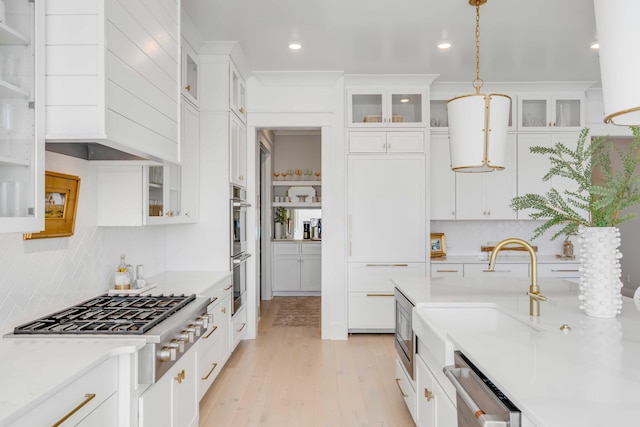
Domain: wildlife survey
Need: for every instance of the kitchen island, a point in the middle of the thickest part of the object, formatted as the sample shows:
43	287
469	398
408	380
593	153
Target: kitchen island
588	376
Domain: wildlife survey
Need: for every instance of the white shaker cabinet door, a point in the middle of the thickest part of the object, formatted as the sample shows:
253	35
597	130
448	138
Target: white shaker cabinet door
443	179
386	208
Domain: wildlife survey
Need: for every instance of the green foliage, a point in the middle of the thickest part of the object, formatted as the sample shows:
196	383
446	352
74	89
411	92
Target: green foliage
602	200
281	215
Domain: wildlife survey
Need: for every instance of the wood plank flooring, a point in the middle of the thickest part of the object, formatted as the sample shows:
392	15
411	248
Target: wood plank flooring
289	377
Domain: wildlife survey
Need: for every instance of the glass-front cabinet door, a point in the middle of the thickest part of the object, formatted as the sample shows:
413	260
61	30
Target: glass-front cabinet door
386	108
163	193
190	76
557	112
21	136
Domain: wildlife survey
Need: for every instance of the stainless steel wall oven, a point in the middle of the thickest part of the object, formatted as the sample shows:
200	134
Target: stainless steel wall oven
405	340
238	239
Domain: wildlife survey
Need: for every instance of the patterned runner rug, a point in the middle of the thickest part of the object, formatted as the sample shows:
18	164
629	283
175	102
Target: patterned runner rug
298	311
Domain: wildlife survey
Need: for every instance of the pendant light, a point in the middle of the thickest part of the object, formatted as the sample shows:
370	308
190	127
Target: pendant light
478	123
617	22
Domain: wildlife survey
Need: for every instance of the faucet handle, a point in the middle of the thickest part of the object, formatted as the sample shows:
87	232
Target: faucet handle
537	296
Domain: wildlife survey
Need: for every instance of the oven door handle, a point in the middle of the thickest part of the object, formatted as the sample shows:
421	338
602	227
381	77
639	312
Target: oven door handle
241	259
484	420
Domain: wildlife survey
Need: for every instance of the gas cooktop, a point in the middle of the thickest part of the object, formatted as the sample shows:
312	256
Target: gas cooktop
109	314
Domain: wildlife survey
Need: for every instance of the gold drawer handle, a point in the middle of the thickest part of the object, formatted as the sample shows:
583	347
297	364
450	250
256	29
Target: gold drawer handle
496	271
180	377
87	398
565	271
209	334
448	271
387	265
380	295
228	287
212	301
401	392
206	377
428	394
241	327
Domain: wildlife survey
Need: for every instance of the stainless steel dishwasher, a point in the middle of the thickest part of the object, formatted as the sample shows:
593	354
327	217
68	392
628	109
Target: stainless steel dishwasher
479	401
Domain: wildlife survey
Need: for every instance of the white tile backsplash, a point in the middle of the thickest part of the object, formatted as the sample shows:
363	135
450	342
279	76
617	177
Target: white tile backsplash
466	237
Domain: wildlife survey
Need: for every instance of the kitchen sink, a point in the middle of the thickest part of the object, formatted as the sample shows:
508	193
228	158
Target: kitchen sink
436	323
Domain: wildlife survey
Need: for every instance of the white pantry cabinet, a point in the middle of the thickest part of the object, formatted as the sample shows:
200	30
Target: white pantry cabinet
551	112
91	400
442	179
172	401
296	268
22	117
238	151
393	107
386	142
113	75
488	195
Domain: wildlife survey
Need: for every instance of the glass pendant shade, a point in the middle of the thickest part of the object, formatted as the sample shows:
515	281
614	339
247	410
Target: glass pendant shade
618	25
478	132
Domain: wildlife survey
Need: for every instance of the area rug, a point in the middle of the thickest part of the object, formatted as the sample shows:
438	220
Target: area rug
298	311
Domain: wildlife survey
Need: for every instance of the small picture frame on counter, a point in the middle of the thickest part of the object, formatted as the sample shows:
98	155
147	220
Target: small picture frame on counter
437	245
60	204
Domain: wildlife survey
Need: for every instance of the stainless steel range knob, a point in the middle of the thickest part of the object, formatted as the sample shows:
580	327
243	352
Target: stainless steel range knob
167	354
187	335
197	330
203	321
178	345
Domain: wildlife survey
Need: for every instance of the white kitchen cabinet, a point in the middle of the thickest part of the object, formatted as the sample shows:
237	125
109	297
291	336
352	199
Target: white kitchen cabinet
238	151
238	93
22	117
386	142
500	270
190	73
90	400
167	194
397	107
112	76
433	407
562	270
545	112
296	268
439	121
488	195
442	180
386	202
238	326
371	303
532	167
406	389
214	346
172	401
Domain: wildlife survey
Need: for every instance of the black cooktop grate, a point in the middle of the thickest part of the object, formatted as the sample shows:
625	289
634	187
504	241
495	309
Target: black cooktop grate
109	314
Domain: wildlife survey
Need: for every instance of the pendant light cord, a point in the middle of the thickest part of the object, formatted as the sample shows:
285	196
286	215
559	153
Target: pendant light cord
477	83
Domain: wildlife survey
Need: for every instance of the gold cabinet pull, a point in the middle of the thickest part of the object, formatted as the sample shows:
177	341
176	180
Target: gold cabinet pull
448	271
241	110
87	398
180	377
188	88
428	394
565	271
206	377
212	301
228	287
224	310
209	334
242	327
380	295
401	392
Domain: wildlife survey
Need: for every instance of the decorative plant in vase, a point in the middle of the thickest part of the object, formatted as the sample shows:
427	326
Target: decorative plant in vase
592	209
280	218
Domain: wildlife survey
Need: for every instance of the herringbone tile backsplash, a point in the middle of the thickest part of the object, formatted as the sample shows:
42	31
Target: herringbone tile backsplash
38	277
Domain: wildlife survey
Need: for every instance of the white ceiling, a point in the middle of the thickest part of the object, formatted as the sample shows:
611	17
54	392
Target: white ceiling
540	40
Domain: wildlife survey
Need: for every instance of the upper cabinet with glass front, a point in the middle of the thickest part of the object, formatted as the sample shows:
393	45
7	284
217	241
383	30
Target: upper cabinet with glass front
21	117
238	93
402	107
190	76
542	112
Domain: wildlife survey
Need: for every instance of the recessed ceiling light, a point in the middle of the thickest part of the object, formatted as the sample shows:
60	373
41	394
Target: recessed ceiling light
595	45
295	46
444	45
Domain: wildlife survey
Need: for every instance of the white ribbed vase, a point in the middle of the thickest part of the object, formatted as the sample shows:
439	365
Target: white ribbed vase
600	270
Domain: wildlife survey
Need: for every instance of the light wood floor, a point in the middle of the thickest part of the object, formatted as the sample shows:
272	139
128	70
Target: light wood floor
289	377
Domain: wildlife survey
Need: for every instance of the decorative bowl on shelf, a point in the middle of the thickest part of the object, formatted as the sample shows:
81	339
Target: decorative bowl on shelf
307	193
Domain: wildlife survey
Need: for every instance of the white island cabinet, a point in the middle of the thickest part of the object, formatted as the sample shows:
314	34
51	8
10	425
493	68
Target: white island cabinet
113	75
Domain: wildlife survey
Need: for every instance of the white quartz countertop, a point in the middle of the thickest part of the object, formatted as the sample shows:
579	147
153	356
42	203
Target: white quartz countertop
34	369
588	377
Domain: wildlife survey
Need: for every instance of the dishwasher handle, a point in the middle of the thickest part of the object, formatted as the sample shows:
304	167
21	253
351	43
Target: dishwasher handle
484	420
